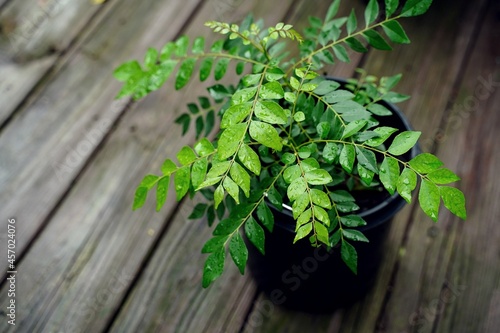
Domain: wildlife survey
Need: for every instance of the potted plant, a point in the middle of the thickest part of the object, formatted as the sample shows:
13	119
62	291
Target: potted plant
302	166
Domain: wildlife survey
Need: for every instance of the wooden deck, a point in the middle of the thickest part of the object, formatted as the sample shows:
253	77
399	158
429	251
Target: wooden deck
71	156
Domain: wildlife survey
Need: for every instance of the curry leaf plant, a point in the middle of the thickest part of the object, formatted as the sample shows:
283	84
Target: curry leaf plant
284	134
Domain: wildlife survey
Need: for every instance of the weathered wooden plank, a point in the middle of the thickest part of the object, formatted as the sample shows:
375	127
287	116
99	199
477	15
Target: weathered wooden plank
33	33
89	256
34	29
470	284
74	112
63	127
429	62
428	248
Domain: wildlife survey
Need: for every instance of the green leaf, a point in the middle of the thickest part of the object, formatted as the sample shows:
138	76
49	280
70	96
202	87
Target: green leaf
395	32
341	53
403	142
303	231
391	81
376	40
167	51
240	67
320	198
274	74
323	129
255	234
230	140
182	181
227	226
390	7
198	45
310	163
239	252
198	172
326	87
232	188
243	95
338	96
186	155
379	110
149	181
126	70
184	120
168	167
221	68
349	256
365	174
389	174
425	163
270	112
318	177
251	79
199	126
214	266
275	198
198	211
415	7
241	177
218	169
332	10
218	195
300	205
249	158
265	134
454	200
161	192
371	12
139	197
288	158
392	97
353	128
367	159
356	45
204	147
235	114
181	46
330	152
184	73
150	58
341	196
265	216
271	90
384	133
206	68
354	235
352	221
407	182
321	215
429	199
352	22
296	188
214	244
346	159
443	176
291	173
209	122
299	116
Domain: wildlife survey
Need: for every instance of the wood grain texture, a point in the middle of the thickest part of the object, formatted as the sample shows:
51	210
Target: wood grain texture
33	35
75	111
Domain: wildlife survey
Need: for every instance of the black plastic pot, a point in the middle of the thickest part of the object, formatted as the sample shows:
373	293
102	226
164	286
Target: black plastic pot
303	278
